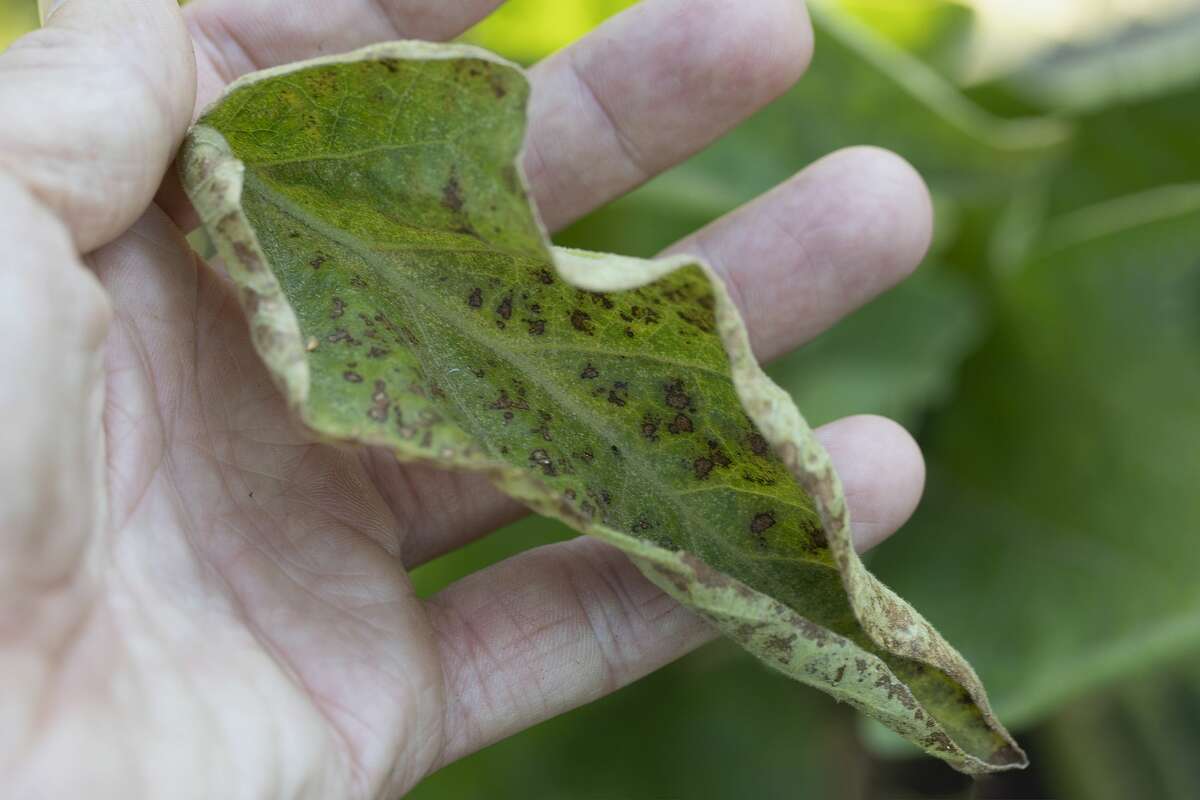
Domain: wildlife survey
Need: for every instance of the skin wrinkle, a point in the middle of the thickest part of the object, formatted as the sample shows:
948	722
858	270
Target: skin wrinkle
628	149
347	752
603	619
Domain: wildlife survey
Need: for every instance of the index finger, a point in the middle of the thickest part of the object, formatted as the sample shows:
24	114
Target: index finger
94	105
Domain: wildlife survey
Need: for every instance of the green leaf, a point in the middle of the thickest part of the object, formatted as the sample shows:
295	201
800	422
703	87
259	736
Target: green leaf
936	31
1062	478
861	89
529	30
402	291
1135	63
1138	740
1161	130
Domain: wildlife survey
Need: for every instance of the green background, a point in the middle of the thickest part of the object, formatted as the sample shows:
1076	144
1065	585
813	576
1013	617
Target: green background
1047	357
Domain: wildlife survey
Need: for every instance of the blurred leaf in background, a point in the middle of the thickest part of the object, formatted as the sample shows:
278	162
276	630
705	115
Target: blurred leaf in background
1140	740
1056	543
16	18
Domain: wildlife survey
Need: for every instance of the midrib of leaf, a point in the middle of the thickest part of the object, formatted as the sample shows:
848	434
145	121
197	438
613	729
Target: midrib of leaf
366	151
519	362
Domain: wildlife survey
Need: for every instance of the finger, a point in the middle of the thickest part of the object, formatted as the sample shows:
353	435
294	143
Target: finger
641	93
94	105
796	260
560	626
802	256
651	87
882	472
234	37
54	318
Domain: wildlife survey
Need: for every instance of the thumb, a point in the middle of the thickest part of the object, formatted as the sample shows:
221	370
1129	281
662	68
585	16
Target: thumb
94	106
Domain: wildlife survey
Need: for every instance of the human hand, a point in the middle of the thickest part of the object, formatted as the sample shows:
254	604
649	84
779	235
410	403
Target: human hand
196	600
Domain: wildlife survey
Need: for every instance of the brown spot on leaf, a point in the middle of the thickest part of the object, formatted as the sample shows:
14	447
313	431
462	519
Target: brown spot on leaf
505	308
762	522
541	458
475	298
339	308
702	323
318	260
545	277
675	396
780	647
352	377
452	195
681	424
381	402
581	321
759	445
589	372
247	257
702	467
504	401
650	429
717	454
537	327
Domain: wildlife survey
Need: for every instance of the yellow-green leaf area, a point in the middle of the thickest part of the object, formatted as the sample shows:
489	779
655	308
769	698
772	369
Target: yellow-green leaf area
403	292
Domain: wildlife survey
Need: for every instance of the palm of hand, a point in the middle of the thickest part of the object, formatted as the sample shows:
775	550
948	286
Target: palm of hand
250	580
204	601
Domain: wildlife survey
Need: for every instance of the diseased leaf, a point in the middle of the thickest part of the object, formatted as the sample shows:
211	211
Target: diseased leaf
402	291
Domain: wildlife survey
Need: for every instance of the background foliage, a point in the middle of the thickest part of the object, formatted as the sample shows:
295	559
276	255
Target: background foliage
1047	356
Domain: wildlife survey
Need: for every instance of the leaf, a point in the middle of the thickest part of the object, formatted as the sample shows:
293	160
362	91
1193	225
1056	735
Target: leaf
529	30
1139	740
1063	476
861	89
16	20
403	293
1158	129
936	31
1134	63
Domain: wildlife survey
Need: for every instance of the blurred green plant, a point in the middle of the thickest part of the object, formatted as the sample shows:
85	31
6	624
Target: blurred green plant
15	19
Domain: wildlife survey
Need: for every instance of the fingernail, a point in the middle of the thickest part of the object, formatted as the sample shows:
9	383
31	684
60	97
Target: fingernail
46	8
